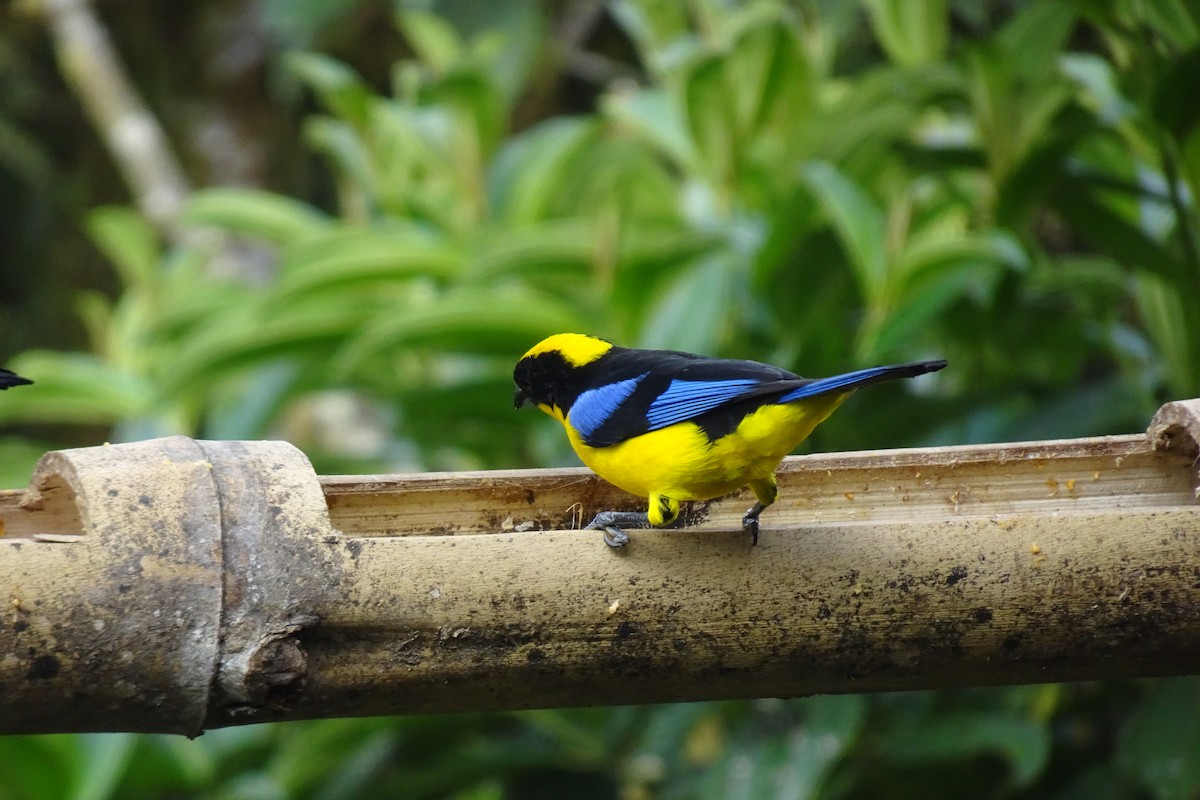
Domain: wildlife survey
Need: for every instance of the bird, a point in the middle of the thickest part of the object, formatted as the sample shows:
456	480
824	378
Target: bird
9	378
672	427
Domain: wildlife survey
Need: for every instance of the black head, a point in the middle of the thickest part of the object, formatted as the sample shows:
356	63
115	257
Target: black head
557	369
547	380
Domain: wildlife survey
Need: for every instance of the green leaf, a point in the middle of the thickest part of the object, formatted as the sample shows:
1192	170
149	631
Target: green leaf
665	734
39	767
72	388
831	726
1160	741
1177	21
478	98
693	312
1098	78
551	251
655	116
954	735
1175	94
796	765
709	109
339	88
647	246
1082	205
1035	37
106	758
351	259
860	127
653	26
253	212
248	336
340	142
944	250
434	40
1165	316
775	82
507	40
859	223
1027	124
95	311
1099	408
129	241
305	762
248	408
915	313
526	176
498	321
912	32
931	273
1099	782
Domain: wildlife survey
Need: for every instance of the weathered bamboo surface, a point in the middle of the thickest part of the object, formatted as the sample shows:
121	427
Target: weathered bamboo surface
924	484
262	592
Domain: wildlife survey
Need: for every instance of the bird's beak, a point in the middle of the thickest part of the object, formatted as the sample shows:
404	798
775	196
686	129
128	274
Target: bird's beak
520	398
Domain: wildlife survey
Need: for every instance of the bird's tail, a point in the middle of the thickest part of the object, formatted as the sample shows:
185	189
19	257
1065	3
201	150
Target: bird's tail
9	378
861	377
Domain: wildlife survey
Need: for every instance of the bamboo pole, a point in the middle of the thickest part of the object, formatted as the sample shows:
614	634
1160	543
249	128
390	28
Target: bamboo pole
936	567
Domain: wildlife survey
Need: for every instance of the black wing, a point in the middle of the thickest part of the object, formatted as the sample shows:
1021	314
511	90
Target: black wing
637	391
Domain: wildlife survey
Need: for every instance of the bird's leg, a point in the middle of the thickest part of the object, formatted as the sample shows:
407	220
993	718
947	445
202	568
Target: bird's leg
765	491
611	523
663	511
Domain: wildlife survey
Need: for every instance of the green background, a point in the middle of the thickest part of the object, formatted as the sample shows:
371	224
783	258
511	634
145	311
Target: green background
393	202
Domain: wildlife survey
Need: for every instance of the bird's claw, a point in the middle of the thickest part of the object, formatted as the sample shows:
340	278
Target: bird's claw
750	522
615	537
611	521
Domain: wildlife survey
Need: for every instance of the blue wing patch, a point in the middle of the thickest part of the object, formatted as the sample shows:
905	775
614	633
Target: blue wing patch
846	381
593	407
684	400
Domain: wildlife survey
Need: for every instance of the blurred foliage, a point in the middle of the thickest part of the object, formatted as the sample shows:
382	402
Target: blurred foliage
1009	185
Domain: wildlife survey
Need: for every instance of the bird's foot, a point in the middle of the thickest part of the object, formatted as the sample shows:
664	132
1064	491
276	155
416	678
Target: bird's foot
611	523
750	522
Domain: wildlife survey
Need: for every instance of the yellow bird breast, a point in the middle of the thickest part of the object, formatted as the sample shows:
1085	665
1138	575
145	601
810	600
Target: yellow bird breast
680	462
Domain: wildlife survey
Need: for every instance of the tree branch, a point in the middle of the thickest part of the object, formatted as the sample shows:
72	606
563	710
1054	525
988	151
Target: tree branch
92	68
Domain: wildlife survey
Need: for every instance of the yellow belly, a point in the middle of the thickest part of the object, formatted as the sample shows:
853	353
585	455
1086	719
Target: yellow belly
680	463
